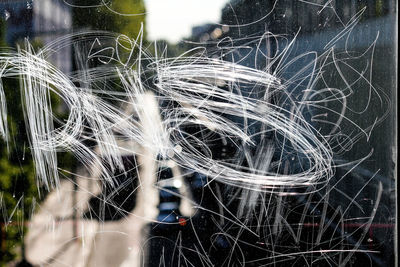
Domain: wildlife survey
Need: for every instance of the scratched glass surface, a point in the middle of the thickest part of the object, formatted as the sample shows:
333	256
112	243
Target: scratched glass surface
198	133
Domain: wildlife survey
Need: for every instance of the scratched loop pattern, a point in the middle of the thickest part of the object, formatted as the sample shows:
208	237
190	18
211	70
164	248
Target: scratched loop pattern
284	136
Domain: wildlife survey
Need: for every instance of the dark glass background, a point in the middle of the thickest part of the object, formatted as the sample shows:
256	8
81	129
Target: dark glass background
368	46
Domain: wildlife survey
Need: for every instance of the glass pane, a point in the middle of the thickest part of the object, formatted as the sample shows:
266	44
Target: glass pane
198	133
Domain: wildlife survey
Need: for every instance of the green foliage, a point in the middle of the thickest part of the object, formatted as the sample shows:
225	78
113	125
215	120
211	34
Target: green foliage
125	17
379	8
18	185
121	16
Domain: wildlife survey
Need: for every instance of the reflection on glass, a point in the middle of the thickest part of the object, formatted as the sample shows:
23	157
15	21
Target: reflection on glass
220	133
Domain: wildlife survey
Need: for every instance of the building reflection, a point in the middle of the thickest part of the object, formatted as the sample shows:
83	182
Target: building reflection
44	21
